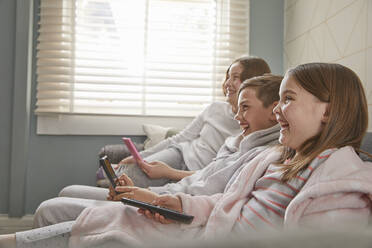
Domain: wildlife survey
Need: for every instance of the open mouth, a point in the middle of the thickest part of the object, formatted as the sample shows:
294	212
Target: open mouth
244	127
230	92
283	124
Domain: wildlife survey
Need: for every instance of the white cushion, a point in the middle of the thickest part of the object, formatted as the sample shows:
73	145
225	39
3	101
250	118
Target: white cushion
155	134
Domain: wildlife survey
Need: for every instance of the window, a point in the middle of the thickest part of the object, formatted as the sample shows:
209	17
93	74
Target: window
142	58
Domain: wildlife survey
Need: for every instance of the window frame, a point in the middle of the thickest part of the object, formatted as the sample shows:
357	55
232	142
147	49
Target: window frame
92	124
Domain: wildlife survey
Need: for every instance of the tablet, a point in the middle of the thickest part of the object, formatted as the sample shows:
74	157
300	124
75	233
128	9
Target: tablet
128	142
166	212
106	165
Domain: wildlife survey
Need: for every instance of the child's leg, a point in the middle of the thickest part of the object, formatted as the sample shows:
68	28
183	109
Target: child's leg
56	236
85	192
171	156
62	209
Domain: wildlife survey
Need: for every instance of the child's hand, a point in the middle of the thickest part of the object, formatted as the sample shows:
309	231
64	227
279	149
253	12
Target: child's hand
155	216
166	201
128	160
123	180
156	169
136	193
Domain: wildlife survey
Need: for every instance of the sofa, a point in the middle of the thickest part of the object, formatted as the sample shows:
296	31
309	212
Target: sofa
116	152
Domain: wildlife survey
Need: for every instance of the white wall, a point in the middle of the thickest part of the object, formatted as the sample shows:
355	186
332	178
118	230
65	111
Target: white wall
337	31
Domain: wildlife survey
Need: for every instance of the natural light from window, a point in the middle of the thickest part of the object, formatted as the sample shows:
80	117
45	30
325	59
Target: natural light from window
136	57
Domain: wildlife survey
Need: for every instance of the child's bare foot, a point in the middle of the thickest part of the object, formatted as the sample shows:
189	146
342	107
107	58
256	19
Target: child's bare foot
7	241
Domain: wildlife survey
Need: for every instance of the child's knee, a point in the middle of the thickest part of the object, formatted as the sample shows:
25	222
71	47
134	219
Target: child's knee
68	191
44	212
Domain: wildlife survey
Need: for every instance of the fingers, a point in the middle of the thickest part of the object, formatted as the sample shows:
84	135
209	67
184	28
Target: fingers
129	195
149	215
143	165
169	201
146	213
142	211
160	218
111	194
127	160
154	216
124	180
162	200
124	189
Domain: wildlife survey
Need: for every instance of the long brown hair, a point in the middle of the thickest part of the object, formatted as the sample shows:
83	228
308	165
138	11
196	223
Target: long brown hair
347	112
252	66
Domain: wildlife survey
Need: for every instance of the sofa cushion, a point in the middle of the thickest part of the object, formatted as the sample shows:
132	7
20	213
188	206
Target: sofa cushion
366	146
156	134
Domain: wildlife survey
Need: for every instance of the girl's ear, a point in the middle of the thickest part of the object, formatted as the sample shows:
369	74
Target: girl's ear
325	117
272	116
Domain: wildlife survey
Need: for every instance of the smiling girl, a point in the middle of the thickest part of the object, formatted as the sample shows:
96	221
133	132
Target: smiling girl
322	106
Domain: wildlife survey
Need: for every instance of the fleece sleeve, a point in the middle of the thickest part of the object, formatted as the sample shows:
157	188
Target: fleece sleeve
199	206
337	210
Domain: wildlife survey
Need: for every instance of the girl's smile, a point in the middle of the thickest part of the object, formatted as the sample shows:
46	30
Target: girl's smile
299	113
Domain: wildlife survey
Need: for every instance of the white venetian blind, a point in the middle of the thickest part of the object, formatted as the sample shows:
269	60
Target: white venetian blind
136	57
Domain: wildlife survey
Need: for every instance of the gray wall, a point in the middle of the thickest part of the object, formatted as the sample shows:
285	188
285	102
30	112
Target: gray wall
53	162
266	32
7	27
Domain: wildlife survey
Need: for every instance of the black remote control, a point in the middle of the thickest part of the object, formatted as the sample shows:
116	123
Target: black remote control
167	213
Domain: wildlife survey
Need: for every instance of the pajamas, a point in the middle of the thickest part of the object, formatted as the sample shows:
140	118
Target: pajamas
172	156
56	236
210	180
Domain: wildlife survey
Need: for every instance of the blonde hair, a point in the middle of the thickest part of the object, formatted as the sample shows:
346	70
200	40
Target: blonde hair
347	113
252	66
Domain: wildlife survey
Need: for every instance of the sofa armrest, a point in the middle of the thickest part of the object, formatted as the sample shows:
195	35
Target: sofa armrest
115	153
366	146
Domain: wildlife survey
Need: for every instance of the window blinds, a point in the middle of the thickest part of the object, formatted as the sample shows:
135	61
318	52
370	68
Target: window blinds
136	57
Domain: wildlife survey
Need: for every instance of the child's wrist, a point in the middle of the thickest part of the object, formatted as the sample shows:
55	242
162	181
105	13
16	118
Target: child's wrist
177	174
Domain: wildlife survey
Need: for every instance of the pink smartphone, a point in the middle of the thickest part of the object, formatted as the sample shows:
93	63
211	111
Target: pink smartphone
128	142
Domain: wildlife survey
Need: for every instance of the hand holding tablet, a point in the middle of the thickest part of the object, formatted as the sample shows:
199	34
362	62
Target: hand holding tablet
166	212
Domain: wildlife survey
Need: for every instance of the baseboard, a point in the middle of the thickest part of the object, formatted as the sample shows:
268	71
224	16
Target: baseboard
12	225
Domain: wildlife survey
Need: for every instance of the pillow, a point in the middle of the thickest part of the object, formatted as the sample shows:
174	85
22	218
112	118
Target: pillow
156	134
